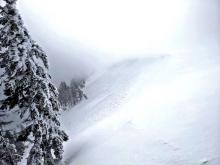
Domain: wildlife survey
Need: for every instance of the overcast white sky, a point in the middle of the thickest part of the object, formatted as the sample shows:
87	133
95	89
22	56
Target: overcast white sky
79	34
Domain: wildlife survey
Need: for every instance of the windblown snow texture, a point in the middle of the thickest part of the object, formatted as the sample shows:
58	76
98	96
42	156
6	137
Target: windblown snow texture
162	111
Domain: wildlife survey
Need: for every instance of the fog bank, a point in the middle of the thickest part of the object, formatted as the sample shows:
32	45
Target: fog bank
82	36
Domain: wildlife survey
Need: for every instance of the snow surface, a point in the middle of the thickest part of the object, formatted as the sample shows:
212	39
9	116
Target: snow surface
149	111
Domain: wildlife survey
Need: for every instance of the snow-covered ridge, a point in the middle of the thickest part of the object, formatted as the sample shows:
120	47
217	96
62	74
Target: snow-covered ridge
159	111
106	90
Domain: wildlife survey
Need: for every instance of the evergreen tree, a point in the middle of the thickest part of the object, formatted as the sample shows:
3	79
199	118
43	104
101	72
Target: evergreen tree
28	90
8	153
64	94
12	136
76	87
71	95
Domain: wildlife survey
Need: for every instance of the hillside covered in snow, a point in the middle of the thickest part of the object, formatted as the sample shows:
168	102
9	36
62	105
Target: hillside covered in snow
148	111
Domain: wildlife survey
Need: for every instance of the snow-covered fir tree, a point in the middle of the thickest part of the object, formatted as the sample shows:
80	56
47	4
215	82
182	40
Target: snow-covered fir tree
8	151
70	95
76	87
28	90
64	94
12	137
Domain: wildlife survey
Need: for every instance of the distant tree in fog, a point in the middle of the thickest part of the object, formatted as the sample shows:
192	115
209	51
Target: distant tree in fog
64	94
71	95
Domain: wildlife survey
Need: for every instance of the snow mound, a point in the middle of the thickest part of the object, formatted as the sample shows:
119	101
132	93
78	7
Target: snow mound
154	111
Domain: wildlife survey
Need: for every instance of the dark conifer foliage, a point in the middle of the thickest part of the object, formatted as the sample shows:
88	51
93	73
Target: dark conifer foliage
28	90
71	95
76	87
64	94
10	154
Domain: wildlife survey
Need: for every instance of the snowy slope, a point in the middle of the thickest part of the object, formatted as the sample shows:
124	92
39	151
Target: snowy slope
157	111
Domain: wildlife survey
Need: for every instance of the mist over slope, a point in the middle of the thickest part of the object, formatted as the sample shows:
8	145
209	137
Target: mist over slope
157	111
85	34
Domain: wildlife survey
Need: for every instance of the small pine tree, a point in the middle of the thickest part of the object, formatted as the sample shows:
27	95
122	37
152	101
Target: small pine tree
28	90
76	87
64	94
71	95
